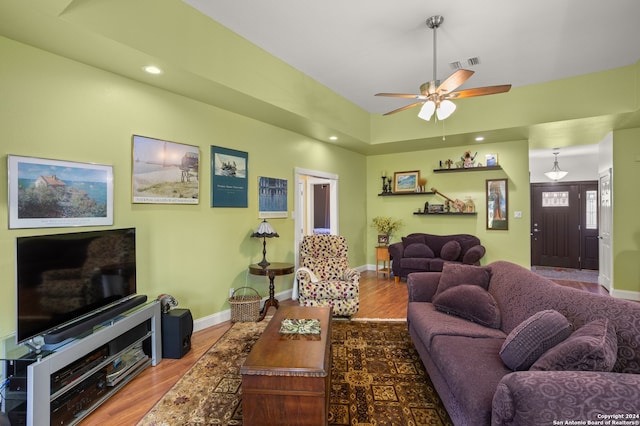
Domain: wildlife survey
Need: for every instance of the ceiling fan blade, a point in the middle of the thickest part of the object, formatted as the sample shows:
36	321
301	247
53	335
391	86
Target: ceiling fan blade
402	95
478	91
454	81
415	104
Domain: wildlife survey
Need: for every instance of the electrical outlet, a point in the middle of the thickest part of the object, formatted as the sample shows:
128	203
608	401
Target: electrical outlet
231	290
517	214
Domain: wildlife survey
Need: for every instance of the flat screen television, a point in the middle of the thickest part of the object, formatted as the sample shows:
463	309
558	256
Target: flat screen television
68	283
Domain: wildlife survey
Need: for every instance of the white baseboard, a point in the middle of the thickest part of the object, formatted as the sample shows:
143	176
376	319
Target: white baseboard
220	317
626	294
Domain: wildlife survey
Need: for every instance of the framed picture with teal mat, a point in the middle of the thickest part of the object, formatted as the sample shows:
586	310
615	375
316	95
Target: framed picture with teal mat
229	183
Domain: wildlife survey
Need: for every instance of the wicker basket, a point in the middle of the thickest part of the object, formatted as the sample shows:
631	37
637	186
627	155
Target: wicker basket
245	307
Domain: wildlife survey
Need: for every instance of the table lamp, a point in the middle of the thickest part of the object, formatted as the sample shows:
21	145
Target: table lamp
264	231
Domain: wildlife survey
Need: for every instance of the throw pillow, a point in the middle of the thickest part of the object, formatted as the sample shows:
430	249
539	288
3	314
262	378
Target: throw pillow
533	337
454	274
417	250
592	347
412	239
450	250
470	302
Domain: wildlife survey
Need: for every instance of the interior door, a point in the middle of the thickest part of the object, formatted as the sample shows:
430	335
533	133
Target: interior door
555	236
605	224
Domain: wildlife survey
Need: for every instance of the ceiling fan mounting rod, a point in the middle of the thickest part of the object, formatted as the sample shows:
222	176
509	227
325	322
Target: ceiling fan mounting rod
434	22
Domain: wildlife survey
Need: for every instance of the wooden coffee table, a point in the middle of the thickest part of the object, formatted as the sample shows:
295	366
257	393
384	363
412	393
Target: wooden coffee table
286	377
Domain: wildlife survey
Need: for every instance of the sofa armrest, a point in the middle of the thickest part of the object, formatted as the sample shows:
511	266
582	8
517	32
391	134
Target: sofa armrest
396	250
422	286
352	275
540	397
473	255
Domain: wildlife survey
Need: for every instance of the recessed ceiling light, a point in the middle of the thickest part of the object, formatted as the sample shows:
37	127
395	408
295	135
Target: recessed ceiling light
333	138
479	138
152	69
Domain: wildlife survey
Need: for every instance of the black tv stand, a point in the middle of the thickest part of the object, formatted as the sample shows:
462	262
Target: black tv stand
79	328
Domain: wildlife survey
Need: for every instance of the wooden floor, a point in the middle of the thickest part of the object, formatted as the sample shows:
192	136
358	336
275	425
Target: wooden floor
379	298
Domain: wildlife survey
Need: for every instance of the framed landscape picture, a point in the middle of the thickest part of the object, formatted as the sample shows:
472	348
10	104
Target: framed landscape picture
272	198
47	193
164	172
406	181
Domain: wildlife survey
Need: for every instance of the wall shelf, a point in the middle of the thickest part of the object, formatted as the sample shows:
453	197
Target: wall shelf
468	169
446	214
391	194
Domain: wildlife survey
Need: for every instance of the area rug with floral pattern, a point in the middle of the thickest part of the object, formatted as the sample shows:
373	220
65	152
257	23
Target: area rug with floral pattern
377	378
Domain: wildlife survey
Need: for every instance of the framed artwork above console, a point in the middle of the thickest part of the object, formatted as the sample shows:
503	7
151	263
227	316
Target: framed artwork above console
46	193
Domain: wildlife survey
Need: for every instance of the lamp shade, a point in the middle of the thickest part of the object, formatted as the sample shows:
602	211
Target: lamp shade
265	231
427	110
556	173
445	109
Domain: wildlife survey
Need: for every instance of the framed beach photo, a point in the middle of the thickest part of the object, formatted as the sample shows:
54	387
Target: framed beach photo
406	181
497	205
164	172
46	193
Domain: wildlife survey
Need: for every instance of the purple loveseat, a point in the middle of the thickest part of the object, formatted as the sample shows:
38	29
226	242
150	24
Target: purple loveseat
464	362
420	252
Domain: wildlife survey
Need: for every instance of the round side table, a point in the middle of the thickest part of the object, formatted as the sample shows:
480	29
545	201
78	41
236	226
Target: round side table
272	270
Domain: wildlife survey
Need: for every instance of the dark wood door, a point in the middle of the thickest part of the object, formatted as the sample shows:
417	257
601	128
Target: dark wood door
559	234
555	239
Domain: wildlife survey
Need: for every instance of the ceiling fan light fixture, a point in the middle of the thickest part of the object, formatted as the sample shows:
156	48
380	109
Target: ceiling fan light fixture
556	173
427	110
445	109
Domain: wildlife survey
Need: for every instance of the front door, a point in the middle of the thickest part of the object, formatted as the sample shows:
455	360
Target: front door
556	215
564	226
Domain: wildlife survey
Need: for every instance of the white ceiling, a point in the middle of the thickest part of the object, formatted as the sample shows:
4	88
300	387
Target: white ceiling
361	47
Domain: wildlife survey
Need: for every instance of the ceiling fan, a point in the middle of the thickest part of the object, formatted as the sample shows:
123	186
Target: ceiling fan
437	98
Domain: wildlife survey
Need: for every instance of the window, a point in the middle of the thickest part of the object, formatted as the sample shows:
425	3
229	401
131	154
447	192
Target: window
555	199
591	209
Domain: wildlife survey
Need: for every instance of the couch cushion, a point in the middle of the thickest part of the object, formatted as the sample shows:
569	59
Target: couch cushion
417	250
592	347
472	369
412	239
470	302
454	274
473	255
533	337
428	323
451	250
415	263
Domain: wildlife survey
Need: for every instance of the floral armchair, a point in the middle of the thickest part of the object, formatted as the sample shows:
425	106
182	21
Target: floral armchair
324	277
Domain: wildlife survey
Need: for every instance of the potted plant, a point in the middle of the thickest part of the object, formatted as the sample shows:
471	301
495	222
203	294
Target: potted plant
385	226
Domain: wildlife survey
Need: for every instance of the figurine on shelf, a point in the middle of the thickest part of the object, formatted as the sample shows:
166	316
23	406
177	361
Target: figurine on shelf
449	162
467	159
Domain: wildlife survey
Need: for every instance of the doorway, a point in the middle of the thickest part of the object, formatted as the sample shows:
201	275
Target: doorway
564	225
316	204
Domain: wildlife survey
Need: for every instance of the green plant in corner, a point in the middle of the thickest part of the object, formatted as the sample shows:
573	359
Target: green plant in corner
386	225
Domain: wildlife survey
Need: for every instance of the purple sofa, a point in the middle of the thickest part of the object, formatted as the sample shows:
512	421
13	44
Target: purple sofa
466	362
421	252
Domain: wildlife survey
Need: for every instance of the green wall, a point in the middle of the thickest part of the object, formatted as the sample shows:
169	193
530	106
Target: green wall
626	205
512	244
56	108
